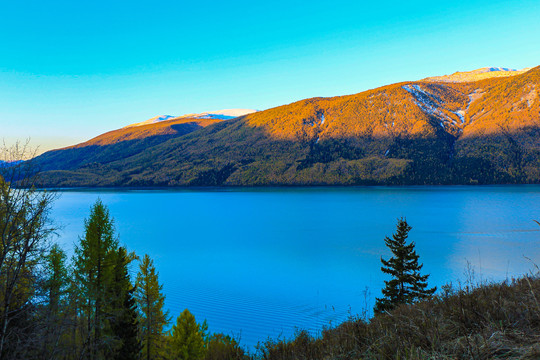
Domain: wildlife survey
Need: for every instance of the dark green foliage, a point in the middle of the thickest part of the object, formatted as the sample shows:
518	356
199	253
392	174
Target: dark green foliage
327	151
57	279
56	311
94	262
151	303
125	327
213	177
252	161
406	285
124	316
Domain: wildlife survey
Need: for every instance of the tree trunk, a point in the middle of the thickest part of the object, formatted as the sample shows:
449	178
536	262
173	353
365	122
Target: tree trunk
3	331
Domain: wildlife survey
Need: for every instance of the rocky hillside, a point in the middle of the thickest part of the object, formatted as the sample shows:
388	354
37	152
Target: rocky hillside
420	132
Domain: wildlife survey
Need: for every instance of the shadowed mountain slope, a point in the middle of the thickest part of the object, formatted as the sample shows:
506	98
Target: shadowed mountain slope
119	144
422	132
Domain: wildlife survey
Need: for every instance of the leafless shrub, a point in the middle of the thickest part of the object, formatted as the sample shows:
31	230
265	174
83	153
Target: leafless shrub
25	228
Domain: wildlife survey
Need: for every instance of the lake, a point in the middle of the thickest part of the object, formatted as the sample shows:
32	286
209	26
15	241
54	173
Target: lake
259	263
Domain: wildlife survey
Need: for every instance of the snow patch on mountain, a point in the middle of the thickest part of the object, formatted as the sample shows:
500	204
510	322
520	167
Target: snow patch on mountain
226	114
434	106
489	69
153	120
461	115
426	101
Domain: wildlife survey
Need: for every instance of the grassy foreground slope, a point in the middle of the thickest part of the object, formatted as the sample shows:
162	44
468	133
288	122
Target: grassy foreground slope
497	321
423	132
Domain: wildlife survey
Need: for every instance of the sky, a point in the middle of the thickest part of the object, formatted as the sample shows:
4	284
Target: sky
72	70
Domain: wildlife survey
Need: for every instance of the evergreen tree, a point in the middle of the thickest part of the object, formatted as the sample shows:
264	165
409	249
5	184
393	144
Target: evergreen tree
93	271
151	302
57	278
56	307
188	338
124	317
406	285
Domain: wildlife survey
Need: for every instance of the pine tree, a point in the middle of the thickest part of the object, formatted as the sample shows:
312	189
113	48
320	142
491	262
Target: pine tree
151	302
406	285
124	317
188	338
56	306
93	273
57	277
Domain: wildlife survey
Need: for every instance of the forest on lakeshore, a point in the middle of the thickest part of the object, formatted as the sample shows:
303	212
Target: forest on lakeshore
92	307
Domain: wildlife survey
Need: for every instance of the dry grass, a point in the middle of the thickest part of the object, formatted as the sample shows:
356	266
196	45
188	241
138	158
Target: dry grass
491	321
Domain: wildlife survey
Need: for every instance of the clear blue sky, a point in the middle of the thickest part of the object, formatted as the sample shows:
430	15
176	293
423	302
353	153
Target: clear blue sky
71	70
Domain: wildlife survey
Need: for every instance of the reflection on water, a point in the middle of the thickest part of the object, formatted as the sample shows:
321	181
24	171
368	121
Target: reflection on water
262	262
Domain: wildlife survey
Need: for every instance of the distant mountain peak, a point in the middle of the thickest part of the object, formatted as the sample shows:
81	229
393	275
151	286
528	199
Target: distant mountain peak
478	74
162	117
226	114
490	69
153	120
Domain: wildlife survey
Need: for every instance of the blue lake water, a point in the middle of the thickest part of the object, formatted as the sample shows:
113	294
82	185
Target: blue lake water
259	263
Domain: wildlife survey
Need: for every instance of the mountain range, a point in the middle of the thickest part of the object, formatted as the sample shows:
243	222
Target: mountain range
477	127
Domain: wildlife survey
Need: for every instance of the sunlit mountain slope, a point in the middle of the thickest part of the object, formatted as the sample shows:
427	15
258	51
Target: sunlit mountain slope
418	132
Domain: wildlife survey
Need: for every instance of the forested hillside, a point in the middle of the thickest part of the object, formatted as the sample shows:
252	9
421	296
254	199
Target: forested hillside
119	144
423	132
